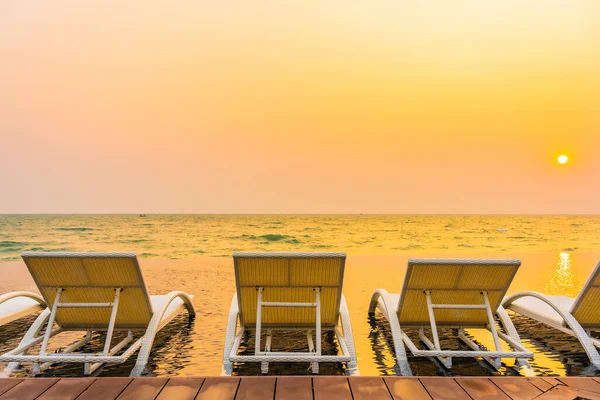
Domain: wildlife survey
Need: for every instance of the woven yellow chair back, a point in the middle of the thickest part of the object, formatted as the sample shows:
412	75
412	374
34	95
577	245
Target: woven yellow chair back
452	281
92	278
585	309
289	277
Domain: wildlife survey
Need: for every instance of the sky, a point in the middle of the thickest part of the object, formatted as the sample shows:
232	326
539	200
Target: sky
334	106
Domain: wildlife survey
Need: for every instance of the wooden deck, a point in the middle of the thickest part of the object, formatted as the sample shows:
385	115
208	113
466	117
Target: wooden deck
299	388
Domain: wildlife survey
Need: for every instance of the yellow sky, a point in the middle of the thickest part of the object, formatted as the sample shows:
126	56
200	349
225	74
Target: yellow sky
307	107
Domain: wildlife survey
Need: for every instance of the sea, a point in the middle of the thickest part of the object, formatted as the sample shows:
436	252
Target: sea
192	236
193	253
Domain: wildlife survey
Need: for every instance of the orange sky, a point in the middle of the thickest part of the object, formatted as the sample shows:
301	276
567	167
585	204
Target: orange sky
299	107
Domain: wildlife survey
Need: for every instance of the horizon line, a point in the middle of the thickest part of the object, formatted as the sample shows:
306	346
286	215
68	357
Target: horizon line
315	214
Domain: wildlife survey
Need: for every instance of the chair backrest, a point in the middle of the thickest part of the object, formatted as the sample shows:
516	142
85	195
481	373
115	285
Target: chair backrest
453	281
92	278
289	277
585	309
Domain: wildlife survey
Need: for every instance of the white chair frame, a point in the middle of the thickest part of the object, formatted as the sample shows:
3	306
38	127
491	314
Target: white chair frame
388	308
91	361
19	314
235	333
569	324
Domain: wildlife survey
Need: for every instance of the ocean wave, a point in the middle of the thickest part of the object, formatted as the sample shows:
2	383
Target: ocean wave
10	243
273	237
409	247
77	229
312	228
244	236
10	249
131	240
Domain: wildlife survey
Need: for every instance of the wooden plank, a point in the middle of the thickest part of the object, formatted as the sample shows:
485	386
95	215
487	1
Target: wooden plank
256	388
8	383
561	392
552	381
516	387
367	388
481	388
105	388
181	388
67	389
540	383
143	389
331	387
443	388
301	388
582	383
402	388
221	387
294	388
29	389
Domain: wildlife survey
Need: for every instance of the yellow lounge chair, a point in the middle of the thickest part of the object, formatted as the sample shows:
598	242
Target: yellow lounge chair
289	291
441	293
575	317
94	292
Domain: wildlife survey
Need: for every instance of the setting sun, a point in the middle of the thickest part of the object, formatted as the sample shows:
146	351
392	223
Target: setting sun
562	159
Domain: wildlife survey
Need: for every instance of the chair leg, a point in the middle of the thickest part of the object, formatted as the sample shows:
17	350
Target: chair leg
33	332
511	331
230	331
264	367
494	362
315	367
446	361
352	365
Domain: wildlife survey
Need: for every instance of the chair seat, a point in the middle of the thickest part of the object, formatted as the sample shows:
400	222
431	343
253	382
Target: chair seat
16	308
537	309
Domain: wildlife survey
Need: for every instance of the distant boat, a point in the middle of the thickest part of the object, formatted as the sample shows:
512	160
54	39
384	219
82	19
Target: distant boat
143	215
501	230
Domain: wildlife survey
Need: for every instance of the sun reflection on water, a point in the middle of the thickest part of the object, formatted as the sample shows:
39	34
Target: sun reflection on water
564	281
